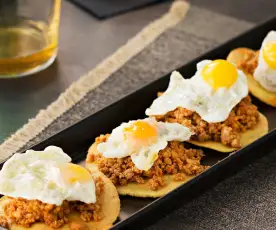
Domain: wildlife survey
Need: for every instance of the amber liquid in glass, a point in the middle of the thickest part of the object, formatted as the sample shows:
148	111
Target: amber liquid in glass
24	48
28	46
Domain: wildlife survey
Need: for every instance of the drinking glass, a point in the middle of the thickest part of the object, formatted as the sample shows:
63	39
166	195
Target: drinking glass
28	36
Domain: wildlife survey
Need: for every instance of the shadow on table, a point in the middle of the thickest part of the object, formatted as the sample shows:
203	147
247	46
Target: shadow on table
31	82
22	98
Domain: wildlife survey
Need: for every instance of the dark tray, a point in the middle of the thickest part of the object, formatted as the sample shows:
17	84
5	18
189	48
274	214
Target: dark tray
138	213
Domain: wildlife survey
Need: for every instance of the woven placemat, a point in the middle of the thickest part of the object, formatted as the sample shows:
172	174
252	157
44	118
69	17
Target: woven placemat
245	201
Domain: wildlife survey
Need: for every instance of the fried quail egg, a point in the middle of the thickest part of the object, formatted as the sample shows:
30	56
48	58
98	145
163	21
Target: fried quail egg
47	176
142	140
265	73
215	89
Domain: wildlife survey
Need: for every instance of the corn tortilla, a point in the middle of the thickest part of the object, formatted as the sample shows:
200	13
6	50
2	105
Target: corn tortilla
255	88
110	209
135	189
246	138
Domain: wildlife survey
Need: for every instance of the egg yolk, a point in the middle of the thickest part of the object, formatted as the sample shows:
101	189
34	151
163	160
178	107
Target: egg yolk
72	173
269	54
142	131
220	73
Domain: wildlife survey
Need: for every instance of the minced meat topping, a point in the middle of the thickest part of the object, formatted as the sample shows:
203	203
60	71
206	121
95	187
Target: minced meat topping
249	62
243	116
175	160
25	212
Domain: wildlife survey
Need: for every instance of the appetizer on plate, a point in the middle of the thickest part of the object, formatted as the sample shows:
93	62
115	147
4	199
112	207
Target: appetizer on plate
260	68
146	158
214	104
43	190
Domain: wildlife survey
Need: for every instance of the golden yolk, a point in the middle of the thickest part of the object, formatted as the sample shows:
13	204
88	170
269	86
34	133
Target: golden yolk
72	173
269	54
142	131
220	73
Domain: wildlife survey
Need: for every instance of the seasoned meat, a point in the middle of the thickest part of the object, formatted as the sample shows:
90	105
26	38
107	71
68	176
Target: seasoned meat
243	116
175	159
27	212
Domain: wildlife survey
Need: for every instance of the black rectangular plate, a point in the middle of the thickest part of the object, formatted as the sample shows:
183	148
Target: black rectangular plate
138	213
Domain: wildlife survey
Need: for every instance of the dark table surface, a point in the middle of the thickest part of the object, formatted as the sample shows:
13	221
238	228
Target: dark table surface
84	42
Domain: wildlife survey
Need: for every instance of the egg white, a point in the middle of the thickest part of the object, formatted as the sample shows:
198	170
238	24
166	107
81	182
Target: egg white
265	75
143	157
196	95
36	175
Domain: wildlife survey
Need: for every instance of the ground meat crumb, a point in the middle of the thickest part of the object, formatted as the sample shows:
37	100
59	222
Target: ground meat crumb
156	182
174	159
243	116
26	212
250	62
4	222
